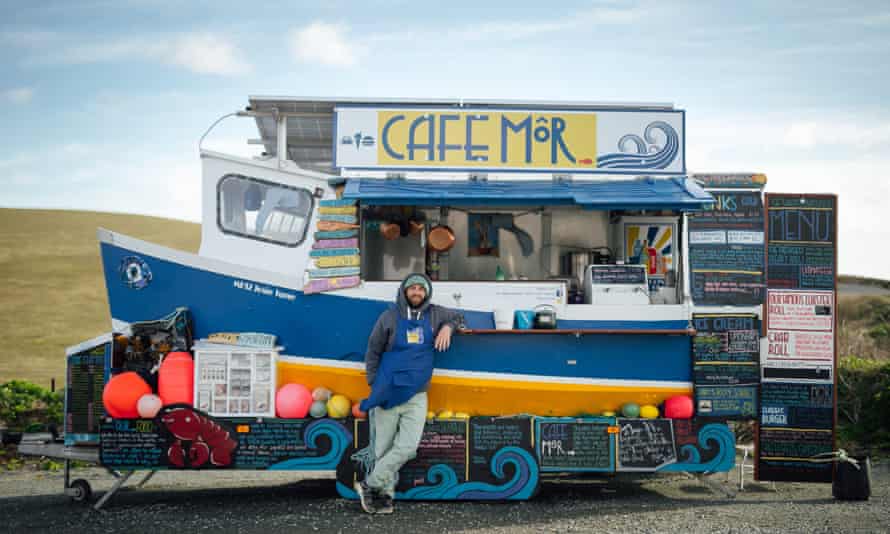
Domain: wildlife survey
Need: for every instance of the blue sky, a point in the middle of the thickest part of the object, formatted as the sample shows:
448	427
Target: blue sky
104	101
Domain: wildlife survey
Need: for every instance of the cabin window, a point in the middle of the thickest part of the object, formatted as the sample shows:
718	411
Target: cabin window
261	210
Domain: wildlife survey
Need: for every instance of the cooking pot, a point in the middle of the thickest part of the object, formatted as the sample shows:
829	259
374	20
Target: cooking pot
545	317
441	238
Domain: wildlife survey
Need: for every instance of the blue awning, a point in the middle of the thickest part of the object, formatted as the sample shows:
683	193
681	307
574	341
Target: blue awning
676	193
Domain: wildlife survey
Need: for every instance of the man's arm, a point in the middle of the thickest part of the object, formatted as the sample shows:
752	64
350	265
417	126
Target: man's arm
377	345
448	321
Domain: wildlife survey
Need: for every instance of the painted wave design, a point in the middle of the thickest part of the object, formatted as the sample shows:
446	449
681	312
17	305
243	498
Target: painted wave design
445	485
710	436
643	152
340	441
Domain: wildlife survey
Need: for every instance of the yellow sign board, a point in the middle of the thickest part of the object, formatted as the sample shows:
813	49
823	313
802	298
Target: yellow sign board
493	139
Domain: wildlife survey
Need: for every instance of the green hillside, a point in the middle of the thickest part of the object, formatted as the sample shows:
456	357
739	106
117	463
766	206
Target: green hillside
52	293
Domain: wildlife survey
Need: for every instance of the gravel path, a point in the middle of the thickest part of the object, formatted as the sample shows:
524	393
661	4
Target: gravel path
286	502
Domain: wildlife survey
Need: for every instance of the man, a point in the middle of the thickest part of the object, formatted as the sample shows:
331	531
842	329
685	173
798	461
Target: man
399	365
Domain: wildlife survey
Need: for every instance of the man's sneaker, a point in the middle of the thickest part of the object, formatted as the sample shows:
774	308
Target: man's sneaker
366	496
384	504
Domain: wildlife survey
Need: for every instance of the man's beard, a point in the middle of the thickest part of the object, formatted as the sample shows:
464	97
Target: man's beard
415	301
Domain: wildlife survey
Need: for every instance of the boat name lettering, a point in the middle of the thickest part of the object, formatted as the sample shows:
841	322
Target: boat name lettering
263	290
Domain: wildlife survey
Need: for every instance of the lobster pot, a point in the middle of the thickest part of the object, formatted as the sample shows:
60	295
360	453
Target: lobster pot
233	381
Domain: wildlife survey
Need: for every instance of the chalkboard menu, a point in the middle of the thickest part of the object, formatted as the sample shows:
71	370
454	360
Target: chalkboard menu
645	444
289	443
181	437
83	394
726	255
568	444
618	274
726	372
476	458
132	444
797	394
801	231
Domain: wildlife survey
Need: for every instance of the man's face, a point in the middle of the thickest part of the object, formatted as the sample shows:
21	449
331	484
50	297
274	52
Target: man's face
415	295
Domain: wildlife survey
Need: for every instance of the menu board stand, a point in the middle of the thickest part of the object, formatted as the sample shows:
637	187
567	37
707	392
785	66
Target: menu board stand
798	393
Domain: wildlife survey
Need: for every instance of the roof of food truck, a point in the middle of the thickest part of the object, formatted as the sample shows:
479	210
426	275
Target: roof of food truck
311	118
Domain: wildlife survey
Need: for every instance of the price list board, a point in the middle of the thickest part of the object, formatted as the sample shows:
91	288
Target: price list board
576	445
475	458
726	252
725	365
798	405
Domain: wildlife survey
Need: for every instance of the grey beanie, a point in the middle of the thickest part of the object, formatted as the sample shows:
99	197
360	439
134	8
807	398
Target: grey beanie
417	279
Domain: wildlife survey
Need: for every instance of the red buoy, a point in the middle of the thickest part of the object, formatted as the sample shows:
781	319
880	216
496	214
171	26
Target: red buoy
176	379
122	393
679	407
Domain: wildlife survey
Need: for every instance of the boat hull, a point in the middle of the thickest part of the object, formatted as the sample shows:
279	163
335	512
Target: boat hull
325	336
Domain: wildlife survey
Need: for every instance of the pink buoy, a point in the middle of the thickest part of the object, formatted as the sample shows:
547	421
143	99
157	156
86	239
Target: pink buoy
292	401
148	405
679	407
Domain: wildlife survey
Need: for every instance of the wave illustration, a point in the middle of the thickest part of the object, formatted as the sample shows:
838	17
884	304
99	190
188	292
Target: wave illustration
445	484
643	152
710	436
340	441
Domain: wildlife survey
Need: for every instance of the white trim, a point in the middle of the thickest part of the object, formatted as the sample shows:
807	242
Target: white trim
88	344
459	102
505	377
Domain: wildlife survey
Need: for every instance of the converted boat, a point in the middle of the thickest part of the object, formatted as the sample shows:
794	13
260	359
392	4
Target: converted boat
557	229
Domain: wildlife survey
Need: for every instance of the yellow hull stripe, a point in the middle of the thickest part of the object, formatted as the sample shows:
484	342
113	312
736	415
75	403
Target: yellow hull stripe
489	396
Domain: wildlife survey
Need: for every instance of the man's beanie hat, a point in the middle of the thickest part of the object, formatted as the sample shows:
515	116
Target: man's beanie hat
417	279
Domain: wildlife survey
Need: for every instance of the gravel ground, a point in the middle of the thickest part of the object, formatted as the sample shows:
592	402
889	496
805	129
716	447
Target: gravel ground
286	502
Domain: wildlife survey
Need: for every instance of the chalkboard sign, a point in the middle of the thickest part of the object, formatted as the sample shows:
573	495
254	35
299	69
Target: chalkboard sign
575	445
726	253
83	393
801	232
181	437
726	372
797	394
290	443
132	444
645	444
618	274
460	459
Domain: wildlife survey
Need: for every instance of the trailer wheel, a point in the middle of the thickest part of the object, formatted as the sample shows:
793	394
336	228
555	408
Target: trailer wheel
80	490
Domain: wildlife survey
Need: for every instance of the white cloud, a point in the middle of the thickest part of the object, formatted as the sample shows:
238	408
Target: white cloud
200	52
207	53
20	95
324	43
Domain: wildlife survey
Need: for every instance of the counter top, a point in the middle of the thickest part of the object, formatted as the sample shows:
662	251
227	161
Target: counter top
586	331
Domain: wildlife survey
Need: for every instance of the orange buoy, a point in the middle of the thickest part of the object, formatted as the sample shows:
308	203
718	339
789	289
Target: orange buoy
176	378
122	393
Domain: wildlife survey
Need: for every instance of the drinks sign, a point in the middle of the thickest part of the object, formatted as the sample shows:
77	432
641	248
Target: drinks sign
649	142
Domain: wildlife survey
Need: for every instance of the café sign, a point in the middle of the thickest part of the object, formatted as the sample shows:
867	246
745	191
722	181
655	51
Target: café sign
534	140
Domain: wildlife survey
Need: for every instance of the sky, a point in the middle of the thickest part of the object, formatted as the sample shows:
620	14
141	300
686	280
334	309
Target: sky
104	101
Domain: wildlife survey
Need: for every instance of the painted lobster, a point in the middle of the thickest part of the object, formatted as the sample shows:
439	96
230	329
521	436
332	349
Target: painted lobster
209	441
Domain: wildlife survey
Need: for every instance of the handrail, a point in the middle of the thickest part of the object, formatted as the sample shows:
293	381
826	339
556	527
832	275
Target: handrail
587	331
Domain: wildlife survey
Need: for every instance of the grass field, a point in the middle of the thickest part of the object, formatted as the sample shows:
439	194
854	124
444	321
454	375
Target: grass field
52	294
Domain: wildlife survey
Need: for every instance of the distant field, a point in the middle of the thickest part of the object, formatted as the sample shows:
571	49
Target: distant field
52	293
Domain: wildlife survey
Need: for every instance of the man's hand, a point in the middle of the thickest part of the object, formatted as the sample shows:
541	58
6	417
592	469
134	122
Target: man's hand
443	339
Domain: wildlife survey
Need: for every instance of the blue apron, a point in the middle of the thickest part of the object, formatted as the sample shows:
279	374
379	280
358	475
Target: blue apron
406	368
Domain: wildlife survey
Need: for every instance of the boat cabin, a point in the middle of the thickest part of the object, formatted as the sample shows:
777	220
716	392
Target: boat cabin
574	205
